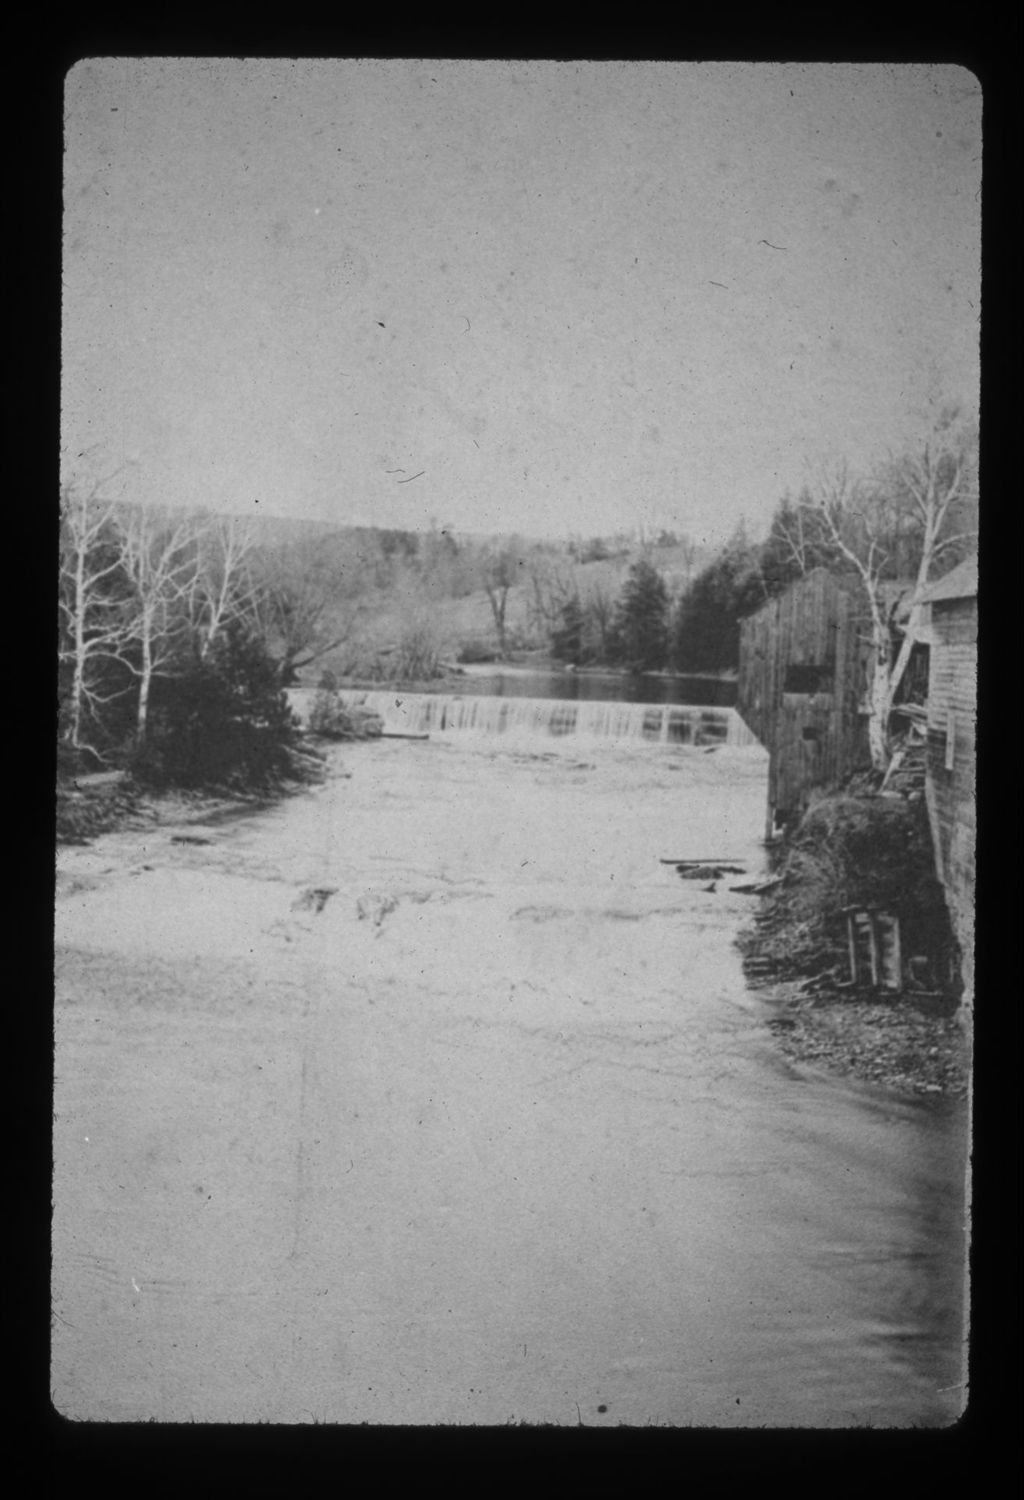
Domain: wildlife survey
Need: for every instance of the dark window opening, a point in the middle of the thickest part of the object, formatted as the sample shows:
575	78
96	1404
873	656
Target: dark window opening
940	750
914	686
806	677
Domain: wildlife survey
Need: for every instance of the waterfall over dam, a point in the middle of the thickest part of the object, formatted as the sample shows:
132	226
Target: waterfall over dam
540	718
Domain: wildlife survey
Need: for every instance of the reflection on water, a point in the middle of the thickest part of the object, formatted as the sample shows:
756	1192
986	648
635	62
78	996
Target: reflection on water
605	687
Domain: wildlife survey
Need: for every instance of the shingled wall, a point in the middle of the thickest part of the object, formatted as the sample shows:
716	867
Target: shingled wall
950	785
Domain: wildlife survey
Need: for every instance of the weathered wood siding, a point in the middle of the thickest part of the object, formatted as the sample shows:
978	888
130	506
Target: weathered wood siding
802	677
951	762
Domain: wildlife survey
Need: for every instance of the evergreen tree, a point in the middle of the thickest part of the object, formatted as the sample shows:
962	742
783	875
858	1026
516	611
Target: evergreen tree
641	632
796	544
707	625
224	722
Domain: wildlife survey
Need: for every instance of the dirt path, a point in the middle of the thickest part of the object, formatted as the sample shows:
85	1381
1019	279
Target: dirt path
431	1096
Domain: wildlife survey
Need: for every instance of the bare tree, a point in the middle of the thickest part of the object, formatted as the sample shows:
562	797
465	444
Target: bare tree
94	608
688	550
501	569
552	586
903	513
599	601
310	598
795	544
937	486
159	558
224	587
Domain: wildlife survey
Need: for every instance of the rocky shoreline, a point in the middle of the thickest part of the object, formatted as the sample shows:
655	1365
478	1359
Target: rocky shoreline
910	1048
856	851
92	806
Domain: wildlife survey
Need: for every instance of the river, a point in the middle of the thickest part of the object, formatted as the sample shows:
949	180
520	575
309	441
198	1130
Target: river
595	684
432	1096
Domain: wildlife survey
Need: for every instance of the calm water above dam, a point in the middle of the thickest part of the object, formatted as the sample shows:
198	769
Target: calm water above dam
588	685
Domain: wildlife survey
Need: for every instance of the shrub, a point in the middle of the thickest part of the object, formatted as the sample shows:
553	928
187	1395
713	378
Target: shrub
419	654
334	720
225	722
476	651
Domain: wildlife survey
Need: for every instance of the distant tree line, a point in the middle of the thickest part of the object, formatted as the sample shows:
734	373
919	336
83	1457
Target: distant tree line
909	520
173	621
646	626
179	631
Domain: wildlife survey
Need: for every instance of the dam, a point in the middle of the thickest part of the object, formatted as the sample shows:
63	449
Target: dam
523	718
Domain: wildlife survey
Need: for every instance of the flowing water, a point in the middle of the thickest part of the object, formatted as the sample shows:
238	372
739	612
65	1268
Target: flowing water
526	717
434	1096
507	680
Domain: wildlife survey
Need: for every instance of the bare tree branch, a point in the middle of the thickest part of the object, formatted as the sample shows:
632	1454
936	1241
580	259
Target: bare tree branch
160	561
93	609
905	509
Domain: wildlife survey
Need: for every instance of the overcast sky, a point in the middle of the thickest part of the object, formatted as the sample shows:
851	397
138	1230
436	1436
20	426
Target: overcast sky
535	297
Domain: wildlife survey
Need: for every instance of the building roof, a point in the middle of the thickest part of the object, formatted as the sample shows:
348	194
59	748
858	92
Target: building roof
960	583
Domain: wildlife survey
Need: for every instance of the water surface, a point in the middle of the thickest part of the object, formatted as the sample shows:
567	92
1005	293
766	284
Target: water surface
433	1096
589	684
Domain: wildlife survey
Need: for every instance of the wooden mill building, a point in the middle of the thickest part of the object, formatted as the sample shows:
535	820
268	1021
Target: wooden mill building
949	626
803	677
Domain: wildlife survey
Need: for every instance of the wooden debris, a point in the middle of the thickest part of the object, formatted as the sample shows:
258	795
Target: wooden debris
757	887
99	779
314	899
723	863
189	838
917	713
873	943
894	766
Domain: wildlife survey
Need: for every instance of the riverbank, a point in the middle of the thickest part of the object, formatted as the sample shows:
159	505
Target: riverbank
911	1049
112	802
860	851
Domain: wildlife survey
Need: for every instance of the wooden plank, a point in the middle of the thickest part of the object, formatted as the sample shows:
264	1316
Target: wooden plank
888	929
851	943
718	860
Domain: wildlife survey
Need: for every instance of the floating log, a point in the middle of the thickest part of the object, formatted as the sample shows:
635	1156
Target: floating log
315	898
99	778
721	863
394	734
757	887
